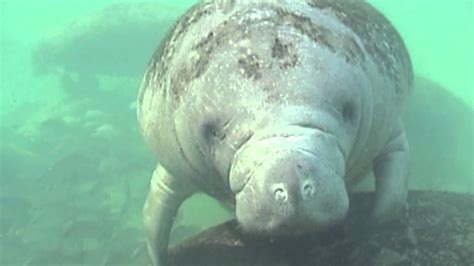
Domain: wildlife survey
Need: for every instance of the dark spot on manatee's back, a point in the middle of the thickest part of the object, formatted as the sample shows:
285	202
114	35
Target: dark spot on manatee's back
158	66
316	32
250	65
231	29
281	52
379	38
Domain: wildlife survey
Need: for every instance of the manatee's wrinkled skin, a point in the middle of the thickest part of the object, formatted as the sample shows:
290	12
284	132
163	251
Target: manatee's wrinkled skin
278	108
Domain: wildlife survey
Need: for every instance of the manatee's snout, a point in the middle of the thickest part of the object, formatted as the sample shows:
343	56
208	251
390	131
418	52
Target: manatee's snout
287	178
286	190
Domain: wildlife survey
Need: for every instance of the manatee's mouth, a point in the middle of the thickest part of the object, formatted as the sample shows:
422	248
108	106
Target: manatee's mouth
252	137
325	131
243	142
247	180
251	174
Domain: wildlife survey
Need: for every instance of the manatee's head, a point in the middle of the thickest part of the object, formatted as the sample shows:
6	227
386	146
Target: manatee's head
289	181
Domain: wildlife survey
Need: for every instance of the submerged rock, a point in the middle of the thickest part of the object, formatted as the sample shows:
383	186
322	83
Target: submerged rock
438	231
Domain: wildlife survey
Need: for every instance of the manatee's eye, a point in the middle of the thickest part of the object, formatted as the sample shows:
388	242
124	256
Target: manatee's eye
212	132
348	112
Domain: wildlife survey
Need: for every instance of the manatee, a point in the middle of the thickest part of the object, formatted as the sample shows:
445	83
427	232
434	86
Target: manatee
104	42
277	108
452	131
114	41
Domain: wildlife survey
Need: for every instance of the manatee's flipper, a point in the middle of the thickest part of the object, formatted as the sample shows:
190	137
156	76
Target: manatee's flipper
391	173
165	196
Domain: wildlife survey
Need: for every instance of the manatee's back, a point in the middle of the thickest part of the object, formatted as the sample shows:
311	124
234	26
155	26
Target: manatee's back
189	54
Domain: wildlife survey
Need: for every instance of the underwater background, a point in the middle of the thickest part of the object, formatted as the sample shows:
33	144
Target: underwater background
74	170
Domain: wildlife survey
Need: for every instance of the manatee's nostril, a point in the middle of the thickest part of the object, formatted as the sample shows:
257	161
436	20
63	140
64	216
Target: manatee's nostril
280	194
308	189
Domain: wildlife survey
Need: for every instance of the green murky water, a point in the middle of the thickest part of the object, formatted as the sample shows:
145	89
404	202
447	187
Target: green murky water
74	170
